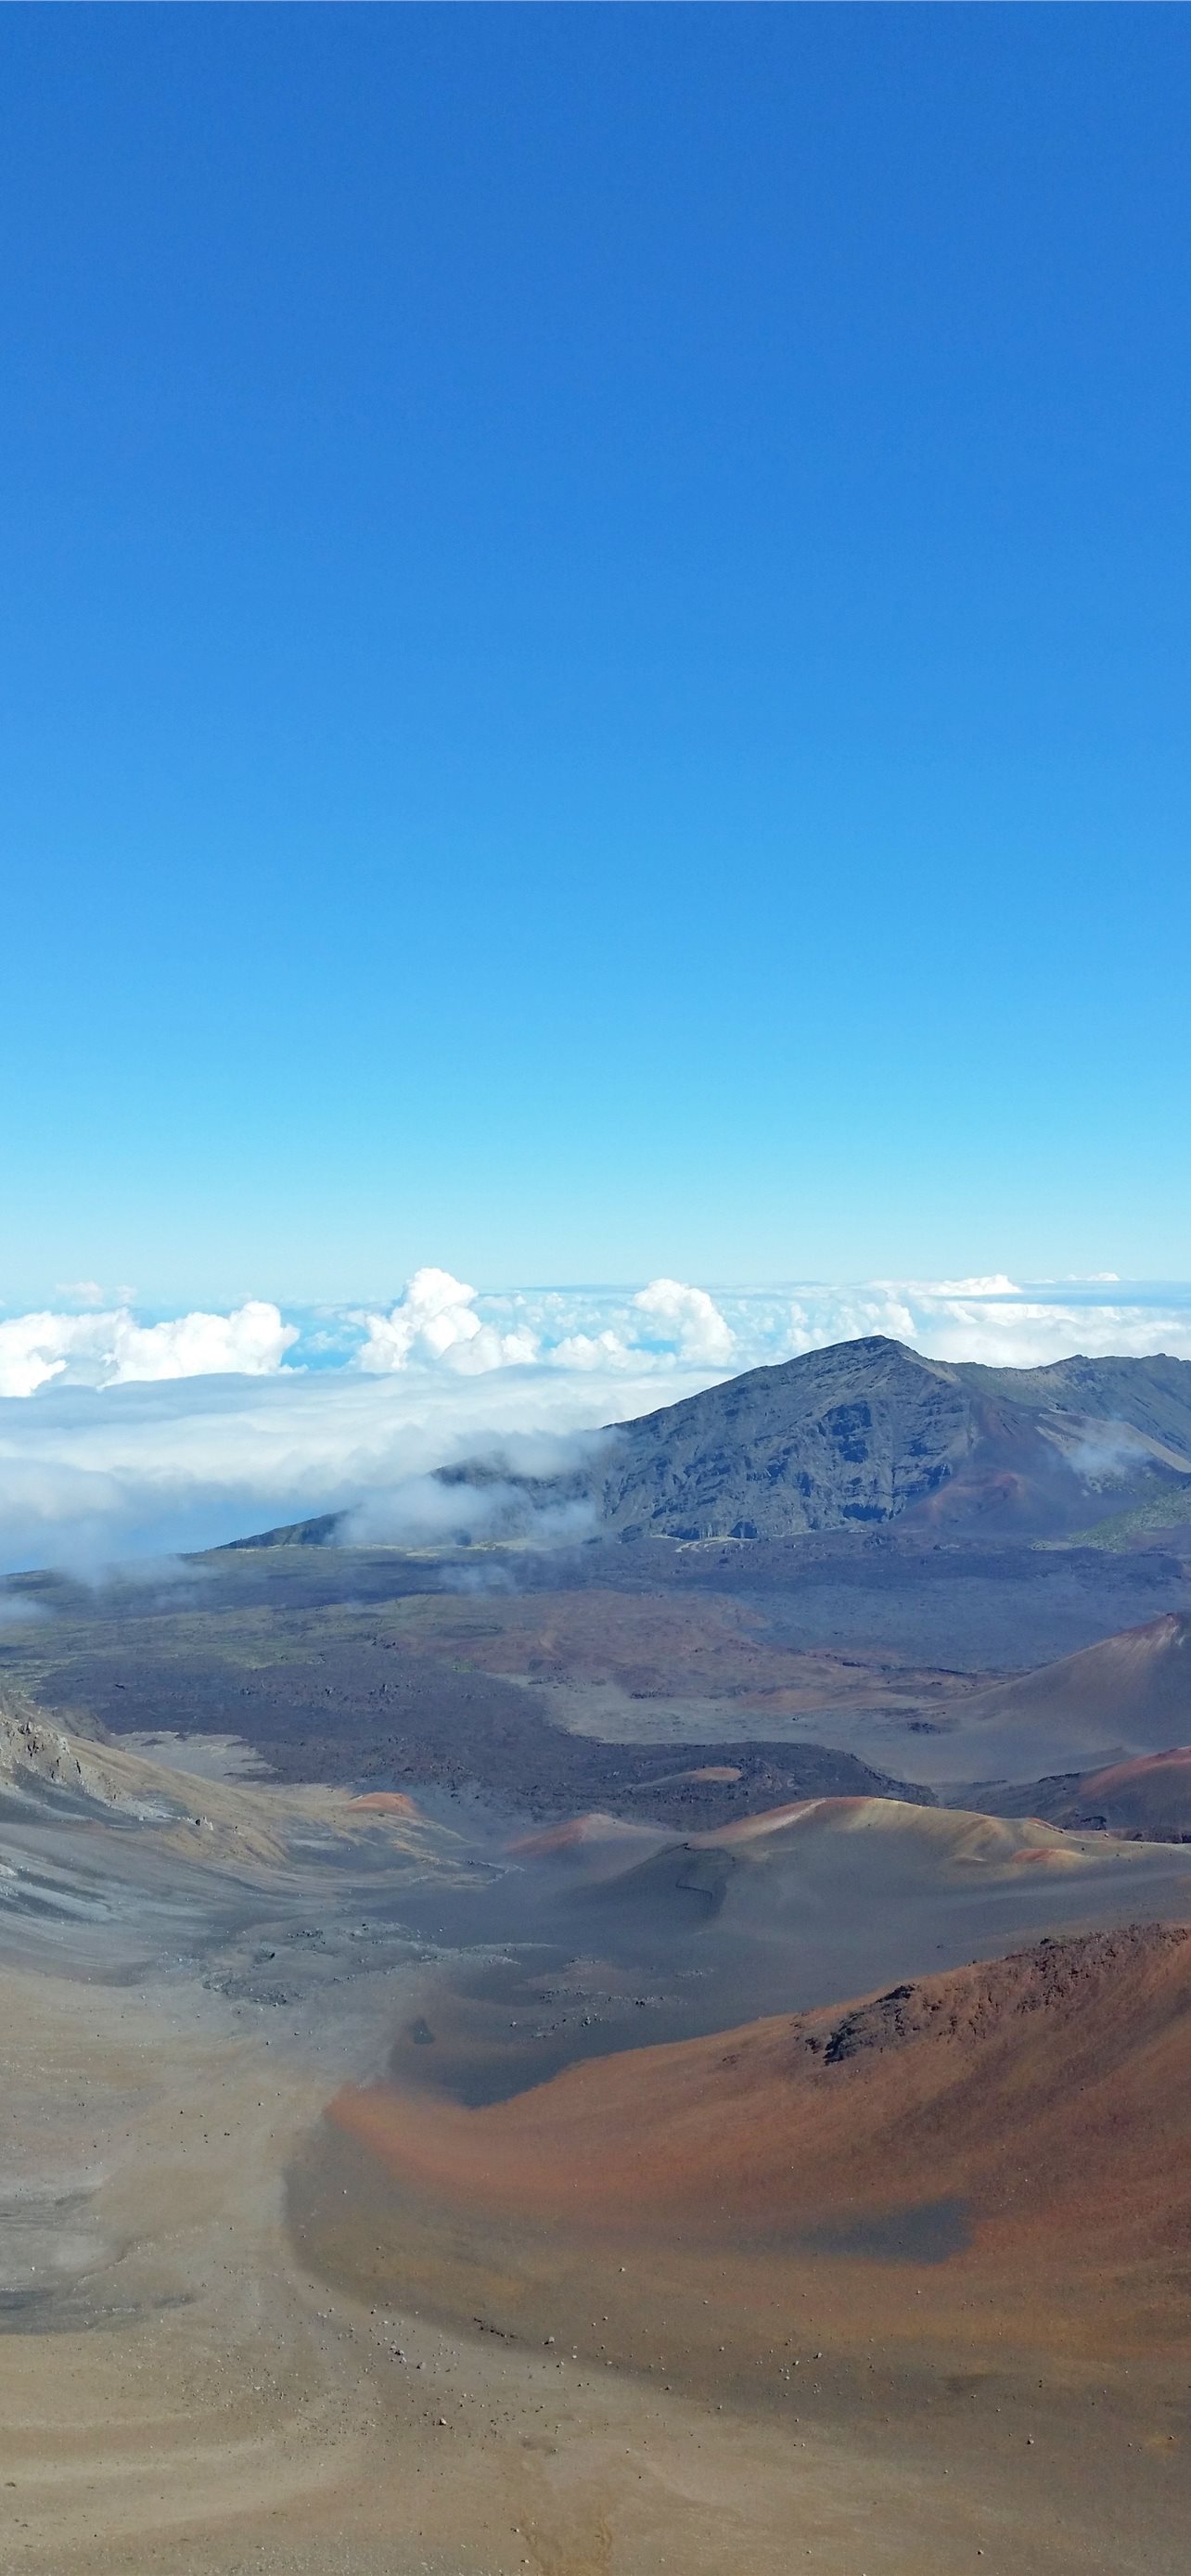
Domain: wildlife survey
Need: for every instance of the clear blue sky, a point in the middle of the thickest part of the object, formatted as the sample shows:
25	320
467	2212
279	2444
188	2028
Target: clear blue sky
595	635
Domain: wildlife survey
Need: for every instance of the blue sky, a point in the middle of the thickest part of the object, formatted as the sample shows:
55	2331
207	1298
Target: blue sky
595	645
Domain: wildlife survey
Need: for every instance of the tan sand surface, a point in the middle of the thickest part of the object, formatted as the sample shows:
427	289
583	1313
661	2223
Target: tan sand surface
560	2335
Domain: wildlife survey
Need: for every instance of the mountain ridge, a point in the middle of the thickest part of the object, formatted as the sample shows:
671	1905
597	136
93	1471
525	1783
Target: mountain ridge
872	1431
866	1432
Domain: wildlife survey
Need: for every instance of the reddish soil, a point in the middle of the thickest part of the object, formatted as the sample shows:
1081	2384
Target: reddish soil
1149	1796
578	1834
1049	2092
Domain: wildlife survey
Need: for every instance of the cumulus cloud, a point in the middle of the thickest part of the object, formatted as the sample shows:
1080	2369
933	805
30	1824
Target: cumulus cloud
436	1320
592	1351
688	1317
115	1350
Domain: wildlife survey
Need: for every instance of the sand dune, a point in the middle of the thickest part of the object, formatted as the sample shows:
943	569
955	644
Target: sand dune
841	1862
931	1839
582	1834
1128	1694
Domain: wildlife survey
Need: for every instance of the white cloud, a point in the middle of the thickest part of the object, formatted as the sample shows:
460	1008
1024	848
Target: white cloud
1029	1333
89	1475
821	1316
16	1612
1007	1329
592	1351
436	1320
424	1511
114	1350
996	1286
693	1321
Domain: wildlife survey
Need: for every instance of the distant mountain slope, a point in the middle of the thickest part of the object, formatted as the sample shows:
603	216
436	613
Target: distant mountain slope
867	1432
1029	1744
1153	1395
319	1532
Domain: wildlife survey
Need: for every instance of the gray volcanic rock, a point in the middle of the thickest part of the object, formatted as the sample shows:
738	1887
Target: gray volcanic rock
870	1431
856	1433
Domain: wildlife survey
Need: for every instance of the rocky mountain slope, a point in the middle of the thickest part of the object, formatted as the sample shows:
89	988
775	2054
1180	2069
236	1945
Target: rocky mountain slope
864	1433
871	1432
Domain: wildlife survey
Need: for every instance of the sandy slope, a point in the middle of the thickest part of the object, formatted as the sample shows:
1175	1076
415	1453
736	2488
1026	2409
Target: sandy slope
947	2227
52	1773
1132	1692
1051	2090
1129	1694
210	2360
180	2395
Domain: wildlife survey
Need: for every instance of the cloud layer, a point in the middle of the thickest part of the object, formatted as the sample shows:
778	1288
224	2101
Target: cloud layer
122	1434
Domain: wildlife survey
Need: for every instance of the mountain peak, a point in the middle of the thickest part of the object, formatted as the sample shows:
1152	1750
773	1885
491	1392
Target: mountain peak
870	1431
